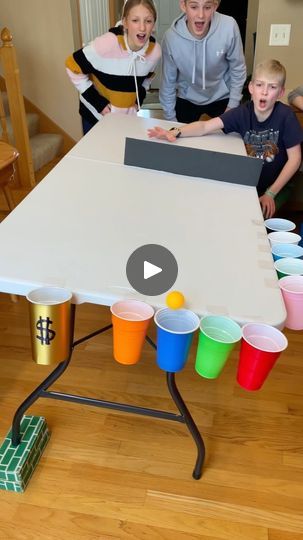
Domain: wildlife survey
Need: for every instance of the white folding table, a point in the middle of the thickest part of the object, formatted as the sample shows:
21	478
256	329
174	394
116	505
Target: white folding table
79	226
106	141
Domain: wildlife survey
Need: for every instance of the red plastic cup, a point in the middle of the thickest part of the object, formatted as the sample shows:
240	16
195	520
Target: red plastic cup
261	347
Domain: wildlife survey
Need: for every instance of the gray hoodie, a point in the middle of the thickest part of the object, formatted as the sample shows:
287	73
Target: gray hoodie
202	70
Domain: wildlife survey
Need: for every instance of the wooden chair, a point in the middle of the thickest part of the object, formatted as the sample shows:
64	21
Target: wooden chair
10	72
8	157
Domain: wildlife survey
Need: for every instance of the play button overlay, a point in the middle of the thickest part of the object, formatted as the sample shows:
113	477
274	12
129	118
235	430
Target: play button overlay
152	269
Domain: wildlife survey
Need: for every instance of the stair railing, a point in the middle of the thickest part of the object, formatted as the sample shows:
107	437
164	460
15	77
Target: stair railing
4	136
9	63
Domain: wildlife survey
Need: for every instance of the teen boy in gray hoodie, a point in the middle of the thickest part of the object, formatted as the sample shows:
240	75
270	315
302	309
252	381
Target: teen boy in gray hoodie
203	66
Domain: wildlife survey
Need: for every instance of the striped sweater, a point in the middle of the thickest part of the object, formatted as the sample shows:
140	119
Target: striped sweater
107	72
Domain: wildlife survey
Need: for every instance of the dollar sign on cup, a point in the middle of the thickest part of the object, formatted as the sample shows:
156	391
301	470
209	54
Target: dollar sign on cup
51	324
46	334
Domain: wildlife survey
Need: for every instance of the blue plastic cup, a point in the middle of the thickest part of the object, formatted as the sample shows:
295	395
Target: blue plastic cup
280	251
279	224
283	237
175	330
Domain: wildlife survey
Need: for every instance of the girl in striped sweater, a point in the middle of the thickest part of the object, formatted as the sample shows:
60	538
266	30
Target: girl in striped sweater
113	72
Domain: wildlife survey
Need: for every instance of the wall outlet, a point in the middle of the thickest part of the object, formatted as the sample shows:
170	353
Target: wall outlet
279	34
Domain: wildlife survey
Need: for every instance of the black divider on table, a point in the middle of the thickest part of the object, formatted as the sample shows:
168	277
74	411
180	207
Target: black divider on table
178	159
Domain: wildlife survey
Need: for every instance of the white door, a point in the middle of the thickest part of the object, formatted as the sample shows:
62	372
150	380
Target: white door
167	10
94	19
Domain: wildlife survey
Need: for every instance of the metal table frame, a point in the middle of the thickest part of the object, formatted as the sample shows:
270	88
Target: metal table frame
43	391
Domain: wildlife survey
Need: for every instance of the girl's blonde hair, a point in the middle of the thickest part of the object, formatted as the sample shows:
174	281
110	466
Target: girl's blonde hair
129	4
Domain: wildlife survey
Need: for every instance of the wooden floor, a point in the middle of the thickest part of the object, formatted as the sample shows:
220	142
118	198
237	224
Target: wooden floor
110	475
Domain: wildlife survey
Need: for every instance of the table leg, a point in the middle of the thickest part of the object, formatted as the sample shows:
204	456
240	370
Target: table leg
52	377
188	420
184	417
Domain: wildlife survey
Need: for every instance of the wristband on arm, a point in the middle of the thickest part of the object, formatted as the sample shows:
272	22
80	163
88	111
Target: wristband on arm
176	131
270	194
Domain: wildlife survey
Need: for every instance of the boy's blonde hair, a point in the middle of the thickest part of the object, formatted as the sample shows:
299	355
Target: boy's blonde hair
214	1
271	68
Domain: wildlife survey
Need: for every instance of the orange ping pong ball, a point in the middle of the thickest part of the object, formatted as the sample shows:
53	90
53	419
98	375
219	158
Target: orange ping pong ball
175	300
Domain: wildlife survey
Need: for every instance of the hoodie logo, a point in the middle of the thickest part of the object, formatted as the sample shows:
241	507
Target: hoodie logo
219	53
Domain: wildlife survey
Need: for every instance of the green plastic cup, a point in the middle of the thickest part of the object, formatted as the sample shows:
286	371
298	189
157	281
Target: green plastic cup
218	336
289	266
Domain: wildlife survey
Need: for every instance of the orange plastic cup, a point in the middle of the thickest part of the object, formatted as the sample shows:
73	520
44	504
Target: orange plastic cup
130	319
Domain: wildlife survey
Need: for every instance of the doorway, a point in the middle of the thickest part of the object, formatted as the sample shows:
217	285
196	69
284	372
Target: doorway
167	11
115	11
238	10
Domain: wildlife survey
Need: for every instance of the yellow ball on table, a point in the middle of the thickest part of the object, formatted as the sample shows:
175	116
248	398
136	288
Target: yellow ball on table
175	300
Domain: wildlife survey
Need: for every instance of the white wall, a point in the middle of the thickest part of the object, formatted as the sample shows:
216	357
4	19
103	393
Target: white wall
251	27
43	36
280	12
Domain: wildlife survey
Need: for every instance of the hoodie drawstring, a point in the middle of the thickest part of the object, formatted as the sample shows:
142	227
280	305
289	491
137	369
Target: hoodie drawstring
134	55
193	75
203	64
132	69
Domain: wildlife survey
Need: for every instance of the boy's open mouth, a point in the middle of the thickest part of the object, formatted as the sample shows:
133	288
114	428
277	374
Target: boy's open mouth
199	25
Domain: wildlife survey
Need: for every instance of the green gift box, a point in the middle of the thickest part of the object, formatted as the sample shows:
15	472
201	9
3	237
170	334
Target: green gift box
17	463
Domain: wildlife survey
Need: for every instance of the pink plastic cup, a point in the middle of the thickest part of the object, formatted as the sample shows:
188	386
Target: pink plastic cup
261	347
292	292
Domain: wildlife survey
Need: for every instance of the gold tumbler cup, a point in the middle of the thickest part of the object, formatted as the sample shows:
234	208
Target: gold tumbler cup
51	324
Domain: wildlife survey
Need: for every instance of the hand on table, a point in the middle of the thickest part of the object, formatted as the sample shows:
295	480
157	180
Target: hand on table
106	110
160	133
268	206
